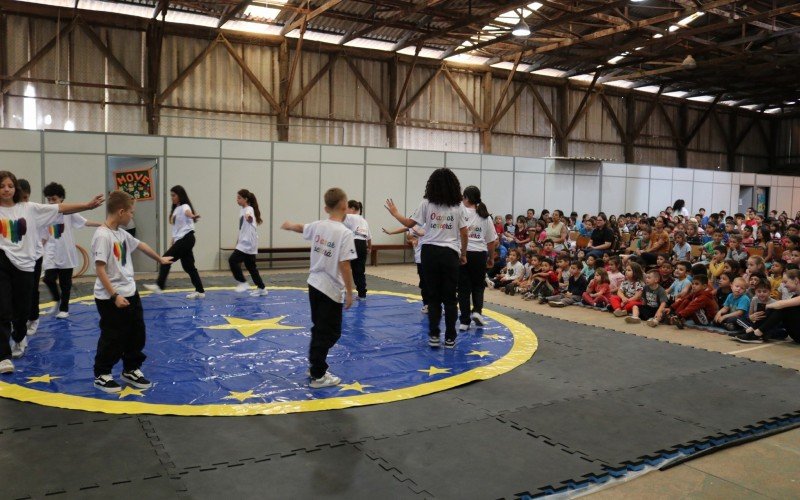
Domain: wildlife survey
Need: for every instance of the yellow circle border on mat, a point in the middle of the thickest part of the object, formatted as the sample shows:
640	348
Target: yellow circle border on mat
523	348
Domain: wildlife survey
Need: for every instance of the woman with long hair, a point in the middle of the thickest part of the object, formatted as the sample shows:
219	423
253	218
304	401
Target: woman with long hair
182	218
444	245
482	240
247	244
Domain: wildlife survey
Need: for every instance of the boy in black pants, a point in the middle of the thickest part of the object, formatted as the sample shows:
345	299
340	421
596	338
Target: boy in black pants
330	280
122	329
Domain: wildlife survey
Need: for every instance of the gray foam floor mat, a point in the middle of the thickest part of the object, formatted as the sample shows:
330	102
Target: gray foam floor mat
589	401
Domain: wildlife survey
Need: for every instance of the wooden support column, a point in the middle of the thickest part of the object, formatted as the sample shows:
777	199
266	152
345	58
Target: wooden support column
391	123
153	40
562	117
4	66
283	77
681	142
630	125
488	111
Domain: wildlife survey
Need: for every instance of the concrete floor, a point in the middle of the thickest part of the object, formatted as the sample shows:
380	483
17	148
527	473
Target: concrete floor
766	468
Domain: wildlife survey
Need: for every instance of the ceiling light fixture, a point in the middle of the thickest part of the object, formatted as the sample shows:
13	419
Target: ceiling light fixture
521	29
689	62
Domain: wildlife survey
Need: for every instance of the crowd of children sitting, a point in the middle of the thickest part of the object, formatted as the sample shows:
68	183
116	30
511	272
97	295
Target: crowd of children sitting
734	274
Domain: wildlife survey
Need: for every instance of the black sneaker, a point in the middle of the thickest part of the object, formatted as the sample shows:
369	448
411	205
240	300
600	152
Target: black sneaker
434	341
106	383
678	321
449	343
136	378
749	338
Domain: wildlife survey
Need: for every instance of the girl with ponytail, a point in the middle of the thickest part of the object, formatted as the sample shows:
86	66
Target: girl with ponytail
482	240
358	225
247	244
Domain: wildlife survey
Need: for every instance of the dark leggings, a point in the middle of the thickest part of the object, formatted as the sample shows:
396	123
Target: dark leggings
37	276
789	318
423	289
358	266
181	250
471	283
440	267
16	292
59	278
235	261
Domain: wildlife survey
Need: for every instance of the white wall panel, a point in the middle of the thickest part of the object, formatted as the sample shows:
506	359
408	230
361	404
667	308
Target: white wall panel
586	196
25	166
342	154
379	156
784	180
347	177
637	195
496	190
463	161
638	171
763	180
66	142
534	165
587	168
135	145
795	202
615	169
528	191
704	176
721	197
682	174
296	152
660	173
735	199
247	150
385	182
194	148
296	198
20	140
425	158
784	200
558	192
682	190
469	177
747	179
416	179
660	195
722	177
253	175
773	198
494	162
702	197
201	179
613	196
83	177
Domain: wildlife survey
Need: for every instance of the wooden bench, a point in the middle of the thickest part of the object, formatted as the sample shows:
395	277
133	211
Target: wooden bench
373	253
269	254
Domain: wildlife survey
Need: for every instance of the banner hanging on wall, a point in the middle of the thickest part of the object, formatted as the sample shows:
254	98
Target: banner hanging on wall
137	183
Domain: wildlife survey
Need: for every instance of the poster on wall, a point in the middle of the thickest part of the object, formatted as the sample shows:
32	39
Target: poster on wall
137	183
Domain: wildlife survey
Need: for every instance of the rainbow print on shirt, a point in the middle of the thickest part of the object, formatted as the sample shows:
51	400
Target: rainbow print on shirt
56	230
13	230
121	252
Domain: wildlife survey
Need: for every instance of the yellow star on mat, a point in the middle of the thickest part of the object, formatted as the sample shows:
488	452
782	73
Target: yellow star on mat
249	327
493	336
482	354
45	379
130	391
355	386
435	371
240	396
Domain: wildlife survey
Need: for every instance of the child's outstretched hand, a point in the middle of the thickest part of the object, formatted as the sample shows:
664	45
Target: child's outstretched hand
391	207
96	201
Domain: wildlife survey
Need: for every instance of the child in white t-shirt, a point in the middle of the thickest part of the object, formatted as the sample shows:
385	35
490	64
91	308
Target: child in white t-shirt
247	244
60	253
33	318
330	279
355	222
122	328
20	227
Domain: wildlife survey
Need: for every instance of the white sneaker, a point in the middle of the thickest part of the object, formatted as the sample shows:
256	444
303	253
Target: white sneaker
489	283
259	292
18	349
462	327
242	287
478	319
153	288
195	295
49	310
62	315
424	309
327	380
6	366
33	326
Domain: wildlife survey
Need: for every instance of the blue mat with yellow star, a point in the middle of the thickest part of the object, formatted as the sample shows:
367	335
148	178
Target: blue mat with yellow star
232	354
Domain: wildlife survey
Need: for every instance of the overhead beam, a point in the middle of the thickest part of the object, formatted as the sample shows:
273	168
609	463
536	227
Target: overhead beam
233	12
308	17
33	61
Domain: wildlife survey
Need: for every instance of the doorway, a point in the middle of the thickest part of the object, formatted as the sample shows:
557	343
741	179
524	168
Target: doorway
753	196
138	176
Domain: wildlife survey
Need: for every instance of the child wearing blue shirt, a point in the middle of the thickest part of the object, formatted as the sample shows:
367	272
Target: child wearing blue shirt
735	307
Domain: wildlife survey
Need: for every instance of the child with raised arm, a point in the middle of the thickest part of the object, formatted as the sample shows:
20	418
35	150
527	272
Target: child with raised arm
330	279
122	328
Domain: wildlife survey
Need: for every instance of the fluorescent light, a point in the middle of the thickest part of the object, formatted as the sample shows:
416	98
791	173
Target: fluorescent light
615	59
689	19
251	27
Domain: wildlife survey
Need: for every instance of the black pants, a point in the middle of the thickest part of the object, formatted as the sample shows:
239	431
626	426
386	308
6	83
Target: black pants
423	288
15	303
59	278
788	317
471	283
235	261
649	258
440	267
37	276
326	317
358	265
181	250
122	336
